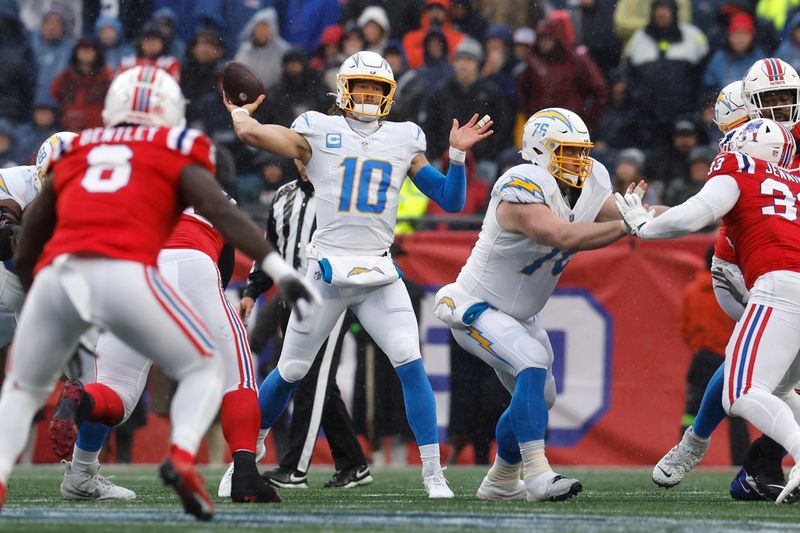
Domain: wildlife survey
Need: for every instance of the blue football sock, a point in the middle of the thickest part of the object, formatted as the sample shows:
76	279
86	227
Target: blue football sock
273	397
711	411
420	402
528	409
507	444
92	436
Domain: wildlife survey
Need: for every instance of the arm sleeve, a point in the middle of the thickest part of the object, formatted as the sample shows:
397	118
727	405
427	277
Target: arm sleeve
715	199
449	191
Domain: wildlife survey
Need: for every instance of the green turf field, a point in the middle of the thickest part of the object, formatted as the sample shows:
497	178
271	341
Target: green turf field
612	500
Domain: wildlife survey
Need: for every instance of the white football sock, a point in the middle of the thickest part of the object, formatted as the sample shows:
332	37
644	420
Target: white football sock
534	462
195	404
86	462
429	453
503	471
260	444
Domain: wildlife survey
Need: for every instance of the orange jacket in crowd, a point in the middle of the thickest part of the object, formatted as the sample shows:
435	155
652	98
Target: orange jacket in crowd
705	324
413	42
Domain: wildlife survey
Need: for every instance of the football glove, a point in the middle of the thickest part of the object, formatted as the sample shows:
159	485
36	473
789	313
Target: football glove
727	279
634	215
9	232
294	289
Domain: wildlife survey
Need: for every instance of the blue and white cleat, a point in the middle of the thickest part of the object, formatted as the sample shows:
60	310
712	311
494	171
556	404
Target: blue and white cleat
743	488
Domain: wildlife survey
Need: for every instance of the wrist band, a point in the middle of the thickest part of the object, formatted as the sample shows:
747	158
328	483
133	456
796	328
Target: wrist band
457	156
240	110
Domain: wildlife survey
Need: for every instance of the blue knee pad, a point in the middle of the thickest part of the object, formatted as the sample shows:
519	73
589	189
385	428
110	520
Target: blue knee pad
528	407
92	436
420	402
273	397
711	411
507	444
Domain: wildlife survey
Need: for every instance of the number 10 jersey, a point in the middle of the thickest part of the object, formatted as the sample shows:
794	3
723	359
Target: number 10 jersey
357	181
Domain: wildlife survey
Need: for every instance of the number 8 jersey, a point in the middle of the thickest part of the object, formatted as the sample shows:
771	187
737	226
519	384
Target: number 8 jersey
118	190
357	181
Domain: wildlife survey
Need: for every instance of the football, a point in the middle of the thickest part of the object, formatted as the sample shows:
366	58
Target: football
240	83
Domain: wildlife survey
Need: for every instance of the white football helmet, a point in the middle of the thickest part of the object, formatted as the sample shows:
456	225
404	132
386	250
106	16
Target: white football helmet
730	110
145	95
51	150
365	66
544	138
767	76
765	139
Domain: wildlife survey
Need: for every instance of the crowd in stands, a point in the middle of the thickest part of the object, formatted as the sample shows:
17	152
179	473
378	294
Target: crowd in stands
642	73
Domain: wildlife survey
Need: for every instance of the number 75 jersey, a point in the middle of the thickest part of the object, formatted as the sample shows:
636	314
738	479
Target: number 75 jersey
357	181
763	224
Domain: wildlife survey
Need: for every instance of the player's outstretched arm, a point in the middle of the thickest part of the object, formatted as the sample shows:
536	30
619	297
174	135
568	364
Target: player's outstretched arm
200	190
539	223
278	140
39	222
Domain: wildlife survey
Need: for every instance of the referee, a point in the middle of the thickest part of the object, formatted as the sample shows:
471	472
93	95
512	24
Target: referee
317	399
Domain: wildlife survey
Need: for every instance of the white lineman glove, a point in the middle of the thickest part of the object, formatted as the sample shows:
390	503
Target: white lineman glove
295	289
731	281
633	212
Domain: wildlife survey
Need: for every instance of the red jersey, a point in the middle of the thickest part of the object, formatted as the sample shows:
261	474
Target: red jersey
117	190
196	233
762	226
722	247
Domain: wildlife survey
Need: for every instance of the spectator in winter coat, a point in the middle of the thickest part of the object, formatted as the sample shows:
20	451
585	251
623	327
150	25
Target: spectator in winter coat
304	20
17	74
468	20
80	89
434	17
557	76
198	72
437	68
617	127
299	90
524	41
594	22
30	136
52	47
8	145
151	50
262	47
665	54
376	28
108	31
631	16
409	96
404	15
327	59
789	50
731	62
460	97
166	20
499	64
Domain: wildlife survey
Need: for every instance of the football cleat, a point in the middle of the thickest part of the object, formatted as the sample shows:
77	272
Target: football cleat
188	485
85	486
64	425
248	487
551	487
501	490
349	478
790	493
286	478
437	486
680	460
743	487
224	489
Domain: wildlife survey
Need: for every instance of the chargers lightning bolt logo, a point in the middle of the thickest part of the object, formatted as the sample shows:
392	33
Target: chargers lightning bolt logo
517	182
362	270
448	302
485	343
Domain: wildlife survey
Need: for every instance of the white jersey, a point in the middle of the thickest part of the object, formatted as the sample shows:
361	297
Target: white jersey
20	184
357	181
512	272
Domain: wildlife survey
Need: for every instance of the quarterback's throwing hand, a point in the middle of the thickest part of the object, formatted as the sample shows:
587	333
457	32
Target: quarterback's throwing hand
633	212
466	136
250	108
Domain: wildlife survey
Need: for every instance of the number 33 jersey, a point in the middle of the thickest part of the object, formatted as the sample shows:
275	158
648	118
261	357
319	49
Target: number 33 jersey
512	272
357	181
762	226
118	190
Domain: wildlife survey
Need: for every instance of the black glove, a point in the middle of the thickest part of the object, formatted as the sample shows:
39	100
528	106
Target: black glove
257	284
9	232
293	289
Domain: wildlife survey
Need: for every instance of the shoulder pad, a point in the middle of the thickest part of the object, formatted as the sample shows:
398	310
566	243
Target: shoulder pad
730	163
518	188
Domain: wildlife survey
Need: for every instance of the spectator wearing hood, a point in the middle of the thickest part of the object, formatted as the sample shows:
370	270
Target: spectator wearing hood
31	13
108	32
300	89
463	95
17	76
437	68
304	20
8	152
404	15
631	16
557	76
499	64
409	96
731	62
327	59
80	89
594	23
31	135
524	39
262	47
198	72
789	50
663	63
52	47
434	17
226	17
166	20
468	20
375	26
766	37
151	50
